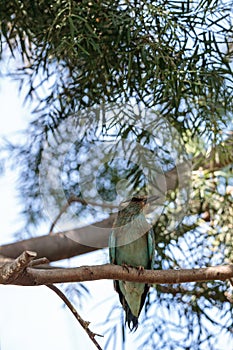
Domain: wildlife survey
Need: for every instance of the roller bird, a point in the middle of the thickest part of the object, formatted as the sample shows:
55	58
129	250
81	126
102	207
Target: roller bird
131	243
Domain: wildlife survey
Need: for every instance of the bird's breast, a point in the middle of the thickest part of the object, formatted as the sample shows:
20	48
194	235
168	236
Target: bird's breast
134	229
134	253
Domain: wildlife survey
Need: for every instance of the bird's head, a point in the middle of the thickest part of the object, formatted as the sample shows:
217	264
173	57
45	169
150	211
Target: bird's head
137	203
133	208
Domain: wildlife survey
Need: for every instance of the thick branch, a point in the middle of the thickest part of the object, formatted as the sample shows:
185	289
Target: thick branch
108	271
32	276
59	246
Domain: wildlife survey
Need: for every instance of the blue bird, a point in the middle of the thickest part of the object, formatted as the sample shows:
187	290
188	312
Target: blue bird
131	243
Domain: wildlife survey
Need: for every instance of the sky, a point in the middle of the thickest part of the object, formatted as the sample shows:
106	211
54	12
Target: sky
34	317
29	316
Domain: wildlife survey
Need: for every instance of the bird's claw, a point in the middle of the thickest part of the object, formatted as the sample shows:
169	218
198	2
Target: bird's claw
125	266
140	269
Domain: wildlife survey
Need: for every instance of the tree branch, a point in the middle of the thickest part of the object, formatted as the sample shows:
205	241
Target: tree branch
59	246
108	271
84	324
30	276
75	199
10	271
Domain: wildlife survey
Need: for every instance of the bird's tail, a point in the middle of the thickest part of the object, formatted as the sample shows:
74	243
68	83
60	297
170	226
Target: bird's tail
130	319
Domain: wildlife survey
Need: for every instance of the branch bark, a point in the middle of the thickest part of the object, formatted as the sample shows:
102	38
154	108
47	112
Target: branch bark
108	271
29	276
84	324
14	269
59	246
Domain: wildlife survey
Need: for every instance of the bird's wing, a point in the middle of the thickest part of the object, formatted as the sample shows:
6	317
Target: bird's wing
151	248
112	247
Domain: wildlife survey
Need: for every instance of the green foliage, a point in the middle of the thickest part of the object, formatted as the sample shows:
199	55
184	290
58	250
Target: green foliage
174	56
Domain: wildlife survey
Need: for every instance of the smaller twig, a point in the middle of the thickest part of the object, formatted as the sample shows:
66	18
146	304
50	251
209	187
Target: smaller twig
73	199
11	270
40	261
84	324
37	262
66	206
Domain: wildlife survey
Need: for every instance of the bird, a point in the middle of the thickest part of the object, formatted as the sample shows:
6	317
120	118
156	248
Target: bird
131	243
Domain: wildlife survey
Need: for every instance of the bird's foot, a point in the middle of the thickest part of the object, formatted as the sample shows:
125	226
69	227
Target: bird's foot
125	266
140	269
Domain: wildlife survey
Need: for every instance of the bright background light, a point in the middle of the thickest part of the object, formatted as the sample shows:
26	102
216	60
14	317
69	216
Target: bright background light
30	317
